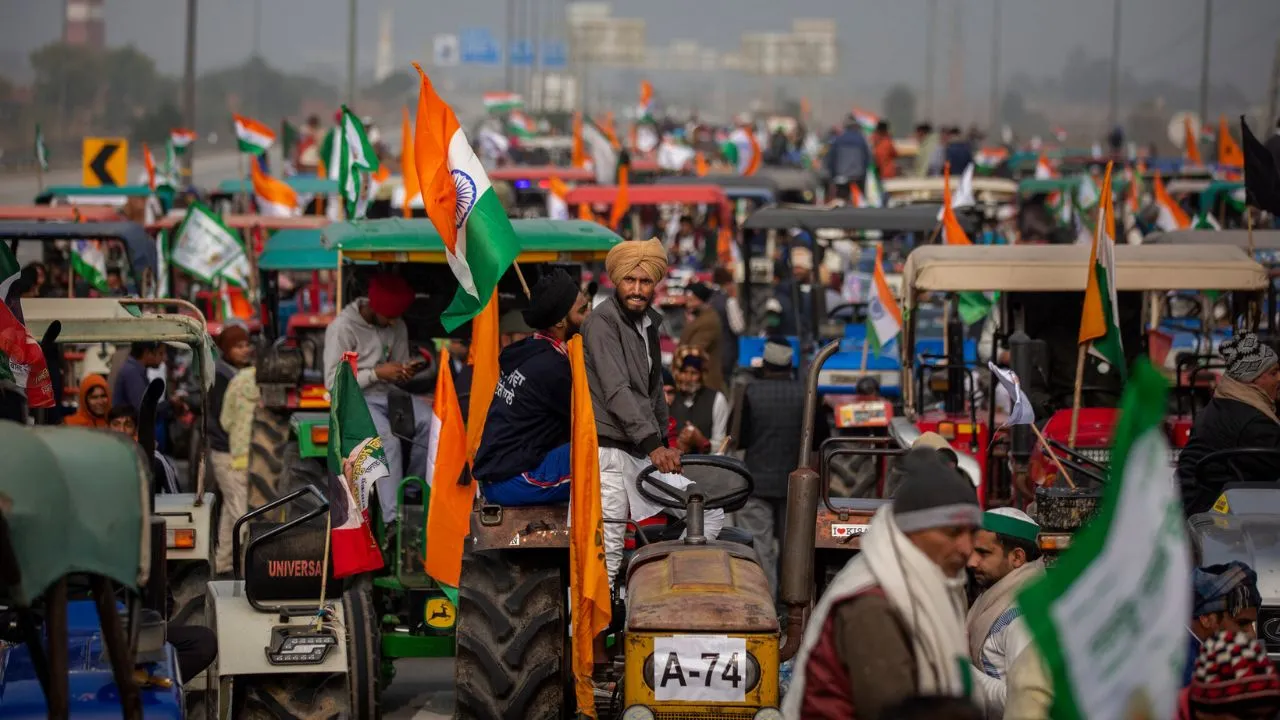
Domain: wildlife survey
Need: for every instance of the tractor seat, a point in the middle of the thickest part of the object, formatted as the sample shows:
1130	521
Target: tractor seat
675	528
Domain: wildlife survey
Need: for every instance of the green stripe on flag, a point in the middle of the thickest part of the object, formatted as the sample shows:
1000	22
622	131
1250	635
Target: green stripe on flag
491	247
1108	346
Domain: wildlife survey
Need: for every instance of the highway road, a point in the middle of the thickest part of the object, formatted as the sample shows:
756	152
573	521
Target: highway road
422	690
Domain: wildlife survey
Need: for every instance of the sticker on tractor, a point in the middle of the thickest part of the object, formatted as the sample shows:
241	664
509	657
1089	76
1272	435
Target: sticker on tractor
515	541
296	645
700	668
439	613
1222	506
843	531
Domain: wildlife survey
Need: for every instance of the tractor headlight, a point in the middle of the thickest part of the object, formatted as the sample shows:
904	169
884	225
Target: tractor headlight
768	714
181	538
638	712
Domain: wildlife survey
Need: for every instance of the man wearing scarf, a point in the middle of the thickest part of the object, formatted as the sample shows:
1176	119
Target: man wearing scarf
1226	598
891	624
1005	558
524	452
624	372
1242	414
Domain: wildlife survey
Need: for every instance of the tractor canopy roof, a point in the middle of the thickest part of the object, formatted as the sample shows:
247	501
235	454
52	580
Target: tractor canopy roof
650	195
911	218
1262	239
243	222
122	320
60	213
297	249
141	249
534	173
1047	186
89	512
85	195
751	187
416	240
306	185
988	190
1064	268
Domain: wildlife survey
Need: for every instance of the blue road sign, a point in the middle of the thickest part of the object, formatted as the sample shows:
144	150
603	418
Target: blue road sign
522	52
479	47
555	55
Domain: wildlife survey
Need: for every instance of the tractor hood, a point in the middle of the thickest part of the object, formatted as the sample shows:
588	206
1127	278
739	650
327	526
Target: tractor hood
713	588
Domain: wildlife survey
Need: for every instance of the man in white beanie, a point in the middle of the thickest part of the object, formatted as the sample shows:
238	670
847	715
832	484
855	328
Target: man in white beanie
1005	558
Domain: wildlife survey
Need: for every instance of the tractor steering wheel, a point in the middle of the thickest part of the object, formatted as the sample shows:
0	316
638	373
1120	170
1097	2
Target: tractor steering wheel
857	312
722	482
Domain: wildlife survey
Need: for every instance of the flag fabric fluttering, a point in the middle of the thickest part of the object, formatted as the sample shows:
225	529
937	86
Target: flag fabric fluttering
149	164
290	138
479	242
89	261
1021	412
578	158
748	150
1261	177
962	196
884	318
274	196
41	150
356	156
644	113
621	201
1190	143
206	248
502	102
22	361
357	461
1229	153
867	120
521	125
448	516
557	207
10	271
485	346
700	167
1044	169
603	152
952	231
254	137
1170	215
408	170
589	603
181	138
1100	317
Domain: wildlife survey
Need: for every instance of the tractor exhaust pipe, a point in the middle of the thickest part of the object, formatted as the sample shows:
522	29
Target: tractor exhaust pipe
804	487
1022	361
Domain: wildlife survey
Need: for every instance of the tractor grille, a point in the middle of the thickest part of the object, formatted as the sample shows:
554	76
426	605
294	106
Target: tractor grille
1102	456
1269	629
725	713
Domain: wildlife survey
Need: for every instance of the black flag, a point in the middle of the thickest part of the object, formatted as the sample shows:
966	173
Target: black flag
1261	179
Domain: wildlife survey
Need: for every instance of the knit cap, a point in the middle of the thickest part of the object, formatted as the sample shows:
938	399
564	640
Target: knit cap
933	494
1233	669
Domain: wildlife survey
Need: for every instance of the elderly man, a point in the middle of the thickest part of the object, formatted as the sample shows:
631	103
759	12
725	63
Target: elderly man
371	328
891	624
524	452
1005	558
624	372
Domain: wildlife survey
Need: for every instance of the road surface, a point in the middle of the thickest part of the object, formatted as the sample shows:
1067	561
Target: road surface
211	167
423	690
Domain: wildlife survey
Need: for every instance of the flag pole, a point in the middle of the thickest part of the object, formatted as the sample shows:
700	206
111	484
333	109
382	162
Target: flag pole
240	174
1052	455
515	265
1075	400
40	178
1248	223
866	345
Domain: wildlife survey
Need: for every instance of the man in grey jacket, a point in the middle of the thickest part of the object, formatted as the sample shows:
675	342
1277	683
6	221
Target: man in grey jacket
624	372
371	328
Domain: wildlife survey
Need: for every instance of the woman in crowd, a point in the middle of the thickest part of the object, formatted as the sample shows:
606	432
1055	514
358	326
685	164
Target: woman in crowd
95	404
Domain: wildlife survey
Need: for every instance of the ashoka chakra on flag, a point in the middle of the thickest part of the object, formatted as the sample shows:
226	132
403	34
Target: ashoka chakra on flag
466	196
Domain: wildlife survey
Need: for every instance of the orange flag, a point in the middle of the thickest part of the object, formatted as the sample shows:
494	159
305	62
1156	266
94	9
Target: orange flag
609	131
588	581
449	513
584	213
484	372
408	169
952	231
622	202
579	152
150	164
1229	153
1190	143
754	163
433	134
700	164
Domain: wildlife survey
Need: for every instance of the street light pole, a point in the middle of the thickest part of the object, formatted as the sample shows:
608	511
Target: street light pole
1204	62
189	84
995	68
1113	111
351	52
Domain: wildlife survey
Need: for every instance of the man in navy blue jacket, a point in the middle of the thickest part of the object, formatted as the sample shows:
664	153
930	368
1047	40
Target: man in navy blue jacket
524	452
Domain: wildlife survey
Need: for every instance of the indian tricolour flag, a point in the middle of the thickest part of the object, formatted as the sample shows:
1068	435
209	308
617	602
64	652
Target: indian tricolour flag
866	119
274	196
1100	318
479	242
501	102
450	504
644	112
1171	216
521	125
89	262
557	207
181	138
884	318
357	462
1044	169
1110	651
952	231
744	142
10	271
254	137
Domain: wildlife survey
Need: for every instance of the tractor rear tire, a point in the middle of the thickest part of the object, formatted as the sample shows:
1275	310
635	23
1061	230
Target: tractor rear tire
269	434
189	586
512	628
296	474
299	696
364	650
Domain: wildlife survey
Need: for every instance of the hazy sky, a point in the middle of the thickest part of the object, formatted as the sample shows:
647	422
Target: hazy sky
881	40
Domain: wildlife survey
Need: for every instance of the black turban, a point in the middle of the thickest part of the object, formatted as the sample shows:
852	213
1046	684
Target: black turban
553	298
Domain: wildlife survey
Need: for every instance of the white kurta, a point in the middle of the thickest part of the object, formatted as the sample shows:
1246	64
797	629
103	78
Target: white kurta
1008	637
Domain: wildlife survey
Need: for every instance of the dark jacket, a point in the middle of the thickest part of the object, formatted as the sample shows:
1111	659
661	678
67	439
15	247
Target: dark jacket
849	156
1225	424
728	338
215	436
529	414
960	155
788	326
1273	144
626	382
772	413
705	332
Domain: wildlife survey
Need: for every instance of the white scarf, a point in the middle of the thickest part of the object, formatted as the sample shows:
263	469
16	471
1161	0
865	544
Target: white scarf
931	605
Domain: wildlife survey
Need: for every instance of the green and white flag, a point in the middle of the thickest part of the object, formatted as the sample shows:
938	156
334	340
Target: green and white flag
89	262
1205	221
42	152
208	249
1087	193
356	155
10	271
162	264
357	463
1110	619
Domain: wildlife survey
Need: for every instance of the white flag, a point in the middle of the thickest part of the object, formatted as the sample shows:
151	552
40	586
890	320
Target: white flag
1021	412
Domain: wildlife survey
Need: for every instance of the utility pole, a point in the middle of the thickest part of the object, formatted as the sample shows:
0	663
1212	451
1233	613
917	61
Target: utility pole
1273	90
929	62
1113	110
351	52
189	85
511	36
995	68
1204	62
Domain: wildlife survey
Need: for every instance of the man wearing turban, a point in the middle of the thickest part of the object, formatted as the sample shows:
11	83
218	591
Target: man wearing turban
524	452
372	328
624	372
